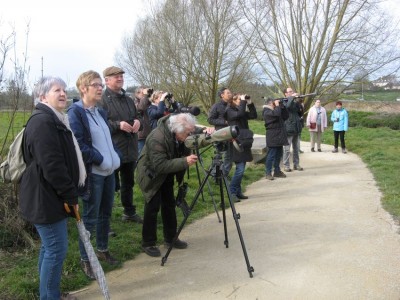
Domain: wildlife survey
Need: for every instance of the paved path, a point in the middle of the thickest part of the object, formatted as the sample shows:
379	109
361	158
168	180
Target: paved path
317	234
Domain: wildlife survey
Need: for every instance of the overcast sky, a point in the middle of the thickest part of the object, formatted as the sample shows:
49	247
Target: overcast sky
72	36
75	35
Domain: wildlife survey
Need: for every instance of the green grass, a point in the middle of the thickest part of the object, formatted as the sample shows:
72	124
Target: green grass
374	96
378	148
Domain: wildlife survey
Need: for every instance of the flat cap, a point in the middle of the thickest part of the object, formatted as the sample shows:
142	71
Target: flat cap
112	71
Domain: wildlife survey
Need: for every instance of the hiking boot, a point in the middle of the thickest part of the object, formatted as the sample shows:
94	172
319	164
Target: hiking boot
287	169
269	177
319	150
178	244
106	256
152	251
344	150
241	196
87	269
312	150
279	174
335	150
132	218
298	168
67	296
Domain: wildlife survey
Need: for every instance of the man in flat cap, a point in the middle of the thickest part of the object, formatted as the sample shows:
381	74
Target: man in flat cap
124	125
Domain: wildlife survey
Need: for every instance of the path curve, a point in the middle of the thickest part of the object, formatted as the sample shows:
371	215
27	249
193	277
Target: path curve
317	234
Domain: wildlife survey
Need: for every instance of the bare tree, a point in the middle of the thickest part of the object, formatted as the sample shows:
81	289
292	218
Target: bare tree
189	48
315	45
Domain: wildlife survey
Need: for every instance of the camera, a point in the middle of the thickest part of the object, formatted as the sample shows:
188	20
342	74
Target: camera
194	110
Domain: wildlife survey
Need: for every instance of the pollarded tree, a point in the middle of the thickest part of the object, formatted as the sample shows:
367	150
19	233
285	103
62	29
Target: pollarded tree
315	45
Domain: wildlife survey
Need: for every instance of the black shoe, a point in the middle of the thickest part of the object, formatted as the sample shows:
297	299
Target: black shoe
178	244
152	251
87	269
242	197
279	174
319	150
105	256
312	150
132	218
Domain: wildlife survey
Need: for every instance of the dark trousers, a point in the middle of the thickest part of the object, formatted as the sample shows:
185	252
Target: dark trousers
164	199
125	178
340	134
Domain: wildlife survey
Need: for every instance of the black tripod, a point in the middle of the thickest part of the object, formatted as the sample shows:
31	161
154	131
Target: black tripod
222	181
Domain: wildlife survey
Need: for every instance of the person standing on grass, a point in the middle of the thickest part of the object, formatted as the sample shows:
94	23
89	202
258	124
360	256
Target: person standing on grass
317	122
340	119
90	127
54	173
125	124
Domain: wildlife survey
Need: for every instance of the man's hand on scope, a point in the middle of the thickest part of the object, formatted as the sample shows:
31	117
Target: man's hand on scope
191	159
209	130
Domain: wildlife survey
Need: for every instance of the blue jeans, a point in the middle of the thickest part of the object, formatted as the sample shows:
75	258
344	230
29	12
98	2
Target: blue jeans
274	156
97	209
51	258
236	182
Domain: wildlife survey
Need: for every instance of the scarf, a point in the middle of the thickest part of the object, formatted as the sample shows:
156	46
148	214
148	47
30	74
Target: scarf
64	119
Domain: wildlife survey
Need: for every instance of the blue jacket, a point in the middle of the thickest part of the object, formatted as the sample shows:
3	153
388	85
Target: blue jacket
80	126
340	119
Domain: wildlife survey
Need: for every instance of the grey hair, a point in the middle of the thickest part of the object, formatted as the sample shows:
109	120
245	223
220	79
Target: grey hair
44	85
179	123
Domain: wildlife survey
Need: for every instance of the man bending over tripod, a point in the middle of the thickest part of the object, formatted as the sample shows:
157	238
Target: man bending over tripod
163	157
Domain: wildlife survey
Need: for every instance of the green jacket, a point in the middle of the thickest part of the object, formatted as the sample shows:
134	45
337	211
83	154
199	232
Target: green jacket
161	156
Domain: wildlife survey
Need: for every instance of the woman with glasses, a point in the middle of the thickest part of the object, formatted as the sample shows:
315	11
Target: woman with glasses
90	127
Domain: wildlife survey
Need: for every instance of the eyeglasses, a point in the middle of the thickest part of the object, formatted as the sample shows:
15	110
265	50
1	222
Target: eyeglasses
96	85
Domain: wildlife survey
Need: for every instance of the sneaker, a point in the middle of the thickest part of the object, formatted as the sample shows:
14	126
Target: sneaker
67	296
111	233
132	218
178	244
312	150
319	150
279	174
241	196
106	256
298	168
344	150
335	150
152	251
301	151
87	269
269	177
286	169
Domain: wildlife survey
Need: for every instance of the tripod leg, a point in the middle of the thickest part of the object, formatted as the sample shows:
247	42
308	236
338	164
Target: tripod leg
165	257
221	180
236	217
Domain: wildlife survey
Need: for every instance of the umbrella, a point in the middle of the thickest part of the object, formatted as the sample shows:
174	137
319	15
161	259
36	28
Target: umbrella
94	261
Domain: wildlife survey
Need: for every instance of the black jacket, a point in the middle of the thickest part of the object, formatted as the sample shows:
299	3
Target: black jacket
52	173
216	116
293	123
275	125
238	116
120	107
